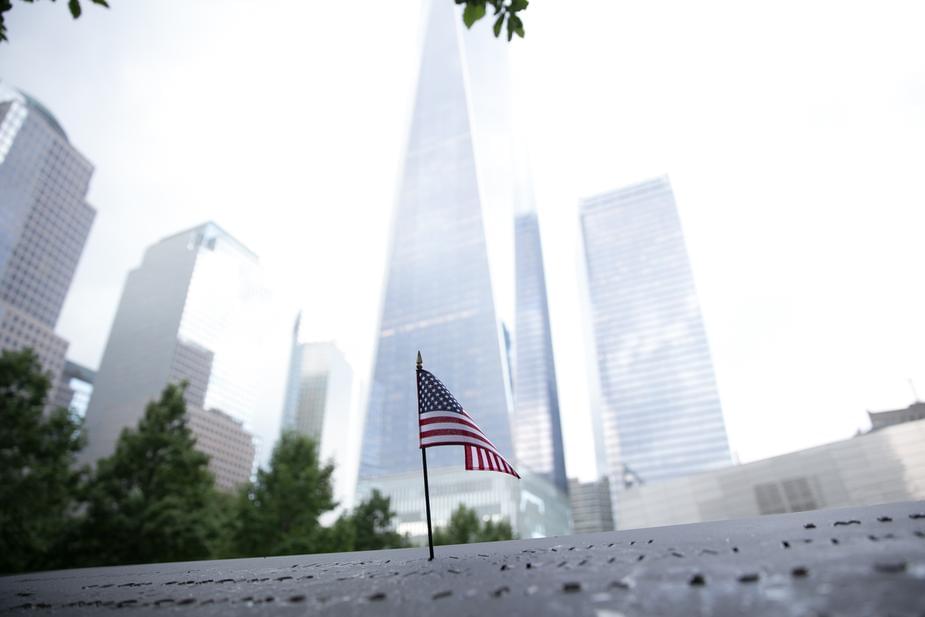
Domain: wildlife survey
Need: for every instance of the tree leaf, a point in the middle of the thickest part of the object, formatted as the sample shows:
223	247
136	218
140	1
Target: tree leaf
518	5
101	3
517	27
74	5
498	24
474	11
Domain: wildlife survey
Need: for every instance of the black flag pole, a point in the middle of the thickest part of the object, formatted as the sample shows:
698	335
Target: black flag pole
430	533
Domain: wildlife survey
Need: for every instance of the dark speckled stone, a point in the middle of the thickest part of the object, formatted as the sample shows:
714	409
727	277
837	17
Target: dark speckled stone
870	562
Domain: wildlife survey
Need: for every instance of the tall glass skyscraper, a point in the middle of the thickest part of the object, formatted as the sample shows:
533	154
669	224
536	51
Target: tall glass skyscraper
659	411
44	223
196	309
450	286
538	433
321	406
440	296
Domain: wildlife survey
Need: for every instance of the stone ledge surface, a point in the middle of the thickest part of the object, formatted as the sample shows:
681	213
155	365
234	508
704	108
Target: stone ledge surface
855	561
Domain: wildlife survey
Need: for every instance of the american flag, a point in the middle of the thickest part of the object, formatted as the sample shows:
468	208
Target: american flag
443	422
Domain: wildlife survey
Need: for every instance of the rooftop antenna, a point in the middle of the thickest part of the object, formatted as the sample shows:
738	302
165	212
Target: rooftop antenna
915	395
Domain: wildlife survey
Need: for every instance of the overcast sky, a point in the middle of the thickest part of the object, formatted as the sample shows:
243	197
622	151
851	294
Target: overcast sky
793	133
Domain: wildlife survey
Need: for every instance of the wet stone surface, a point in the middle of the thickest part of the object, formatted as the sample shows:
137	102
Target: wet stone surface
857	561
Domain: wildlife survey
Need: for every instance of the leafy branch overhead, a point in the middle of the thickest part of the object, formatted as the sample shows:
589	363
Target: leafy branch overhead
73	5
504	10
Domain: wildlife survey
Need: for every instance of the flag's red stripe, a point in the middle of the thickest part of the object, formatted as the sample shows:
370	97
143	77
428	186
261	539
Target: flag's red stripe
468	450
455	431
435	430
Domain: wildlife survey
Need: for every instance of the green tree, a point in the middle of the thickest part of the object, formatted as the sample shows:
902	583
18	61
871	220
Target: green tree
465	527
373	527
154	499
37	452
278	513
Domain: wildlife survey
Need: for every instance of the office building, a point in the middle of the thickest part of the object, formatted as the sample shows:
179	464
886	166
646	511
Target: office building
449	283
322	408
882	419
74	388
439	292
533	506
881	466
591	509
195	310
538	432
228	444
657	408
44	223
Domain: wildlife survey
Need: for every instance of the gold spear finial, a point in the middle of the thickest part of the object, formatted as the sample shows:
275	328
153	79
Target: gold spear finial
420	361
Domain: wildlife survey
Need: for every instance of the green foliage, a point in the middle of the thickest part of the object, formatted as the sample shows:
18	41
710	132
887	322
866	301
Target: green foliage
154	499
503	10
72	5
372	524
278	513
37	451
465	527
474	10
368	527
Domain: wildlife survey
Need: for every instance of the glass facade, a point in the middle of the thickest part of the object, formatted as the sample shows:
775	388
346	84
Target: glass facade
452	240
44	223
322	408
195	310
659	411
538	433
534	507
74	388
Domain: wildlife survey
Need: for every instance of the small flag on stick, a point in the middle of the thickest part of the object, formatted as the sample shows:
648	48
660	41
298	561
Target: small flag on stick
443	422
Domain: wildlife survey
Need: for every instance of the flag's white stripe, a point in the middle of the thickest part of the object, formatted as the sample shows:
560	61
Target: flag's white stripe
445	412
455	440
471	427
453	426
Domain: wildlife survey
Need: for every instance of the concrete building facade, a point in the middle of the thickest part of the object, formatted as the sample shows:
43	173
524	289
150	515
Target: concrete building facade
228	444
892	417
44	223
591	508
195	310
882	466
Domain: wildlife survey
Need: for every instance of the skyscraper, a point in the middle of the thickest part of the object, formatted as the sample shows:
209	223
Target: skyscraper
591	510
322	408
44	223
538	433
450	277
659	411
196	309
74	388
440	296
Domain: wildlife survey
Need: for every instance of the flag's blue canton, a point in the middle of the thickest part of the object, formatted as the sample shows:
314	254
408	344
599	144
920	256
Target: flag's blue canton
434	395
